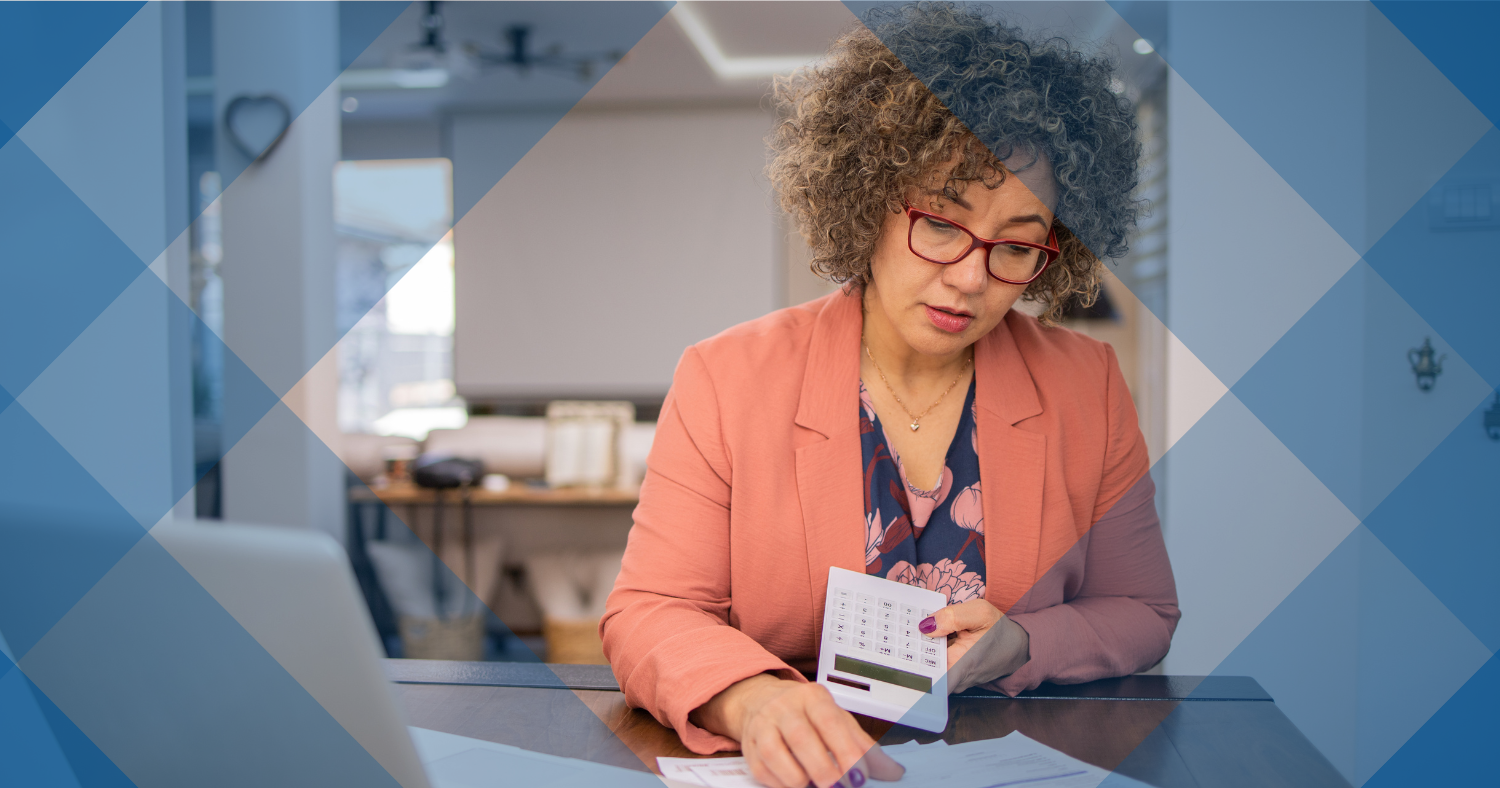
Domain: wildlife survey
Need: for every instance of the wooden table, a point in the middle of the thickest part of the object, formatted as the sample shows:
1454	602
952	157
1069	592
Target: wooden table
1168	731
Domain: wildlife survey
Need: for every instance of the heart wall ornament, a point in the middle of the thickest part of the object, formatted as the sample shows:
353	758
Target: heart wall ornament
255	124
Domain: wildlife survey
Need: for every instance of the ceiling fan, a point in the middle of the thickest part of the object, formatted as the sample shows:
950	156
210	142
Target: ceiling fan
470	58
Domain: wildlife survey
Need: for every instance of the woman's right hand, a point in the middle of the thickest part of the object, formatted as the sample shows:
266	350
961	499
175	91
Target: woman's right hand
793	734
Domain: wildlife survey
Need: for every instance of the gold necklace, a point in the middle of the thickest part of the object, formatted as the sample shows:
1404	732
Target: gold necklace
916	418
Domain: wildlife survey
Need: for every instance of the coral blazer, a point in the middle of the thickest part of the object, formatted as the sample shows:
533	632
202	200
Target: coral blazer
753	490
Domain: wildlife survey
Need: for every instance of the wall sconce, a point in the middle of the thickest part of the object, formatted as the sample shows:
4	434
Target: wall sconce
1492	419
1424	366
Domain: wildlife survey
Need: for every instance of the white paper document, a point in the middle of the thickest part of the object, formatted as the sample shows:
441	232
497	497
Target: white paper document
1014	760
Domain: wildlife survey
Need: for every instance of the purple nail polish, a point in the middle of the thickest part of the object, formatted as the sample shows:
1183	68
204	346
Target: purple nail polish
856	777
928	624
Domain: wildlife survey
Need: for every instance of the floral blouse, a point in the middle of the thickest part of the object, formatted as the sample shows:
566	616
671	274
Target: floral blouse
928	538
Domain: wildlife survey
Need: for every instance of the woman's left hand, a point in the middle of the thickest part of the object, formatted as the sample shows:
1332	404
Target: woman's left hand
983	643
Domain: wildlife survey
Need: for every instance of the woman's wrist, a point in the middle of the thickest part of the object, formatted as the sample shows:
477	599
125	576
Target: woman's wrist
1018	647
725	712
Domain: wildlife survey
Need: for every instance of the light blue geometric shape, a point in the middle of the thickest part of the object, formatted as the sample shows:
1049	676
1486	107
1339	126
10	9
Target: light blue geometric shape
104	135
44	734
1449	276
1419	126
1359	656
62	266
59	529
1456	746
48	44
147	662
1376	122
1457	38
110	400
1249	260
1237	491
1404	631
1444	524
1338	390
616	26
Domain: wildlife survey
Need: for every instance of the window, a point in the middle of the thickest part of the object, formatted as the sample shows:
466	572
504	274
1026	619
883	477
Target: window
395	296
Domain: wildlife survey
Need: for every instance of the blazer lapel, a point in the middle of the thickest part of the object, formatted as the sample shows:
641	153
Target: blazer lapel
1012	466
829	477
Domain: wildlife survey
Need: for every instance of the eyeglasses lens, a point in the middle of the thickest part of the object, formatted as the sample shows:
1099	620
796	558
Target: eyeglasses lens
941	242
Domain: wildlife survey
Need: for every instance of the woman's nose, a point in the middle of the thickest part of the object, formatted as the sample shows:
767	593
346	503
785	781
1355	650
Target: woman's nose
971	274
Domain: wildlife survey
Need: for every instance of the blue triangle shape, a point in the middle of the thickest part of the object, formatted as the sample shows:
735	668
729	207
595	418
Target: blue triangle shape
91	768
1459	39
1456	746
45	45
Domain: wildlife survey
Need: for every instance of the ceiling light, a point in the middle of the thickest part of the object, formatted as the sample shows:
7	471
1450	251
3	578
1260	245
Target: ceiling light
1143	47
726	67
392	78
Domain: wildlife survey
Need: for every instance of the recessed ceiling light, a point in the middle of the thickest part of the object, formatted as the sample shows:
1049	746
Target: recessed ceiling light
1143	47
724	66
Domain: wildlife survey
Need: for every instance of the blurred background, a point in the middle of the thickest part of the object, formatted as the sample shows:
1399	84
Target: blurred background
535	208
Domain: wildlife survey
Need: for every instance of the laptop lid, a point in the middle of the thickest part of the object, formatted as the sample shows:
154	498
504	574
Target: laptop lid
293	591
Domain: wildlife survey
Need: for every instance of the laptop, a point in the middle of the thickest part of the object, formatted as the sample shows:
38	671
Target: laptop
294	592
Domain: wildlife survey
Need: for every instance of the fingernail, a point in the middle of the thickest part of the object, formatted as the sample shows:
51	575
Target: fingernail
928	624
856	778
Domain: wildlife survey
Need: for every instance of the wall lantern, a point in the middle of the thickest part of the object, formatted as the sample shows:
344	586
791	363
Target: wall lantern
1424	366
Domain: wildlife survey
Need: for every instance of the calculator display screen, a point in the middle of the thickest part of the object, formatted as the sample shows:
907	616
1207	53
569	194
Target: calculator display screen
870	670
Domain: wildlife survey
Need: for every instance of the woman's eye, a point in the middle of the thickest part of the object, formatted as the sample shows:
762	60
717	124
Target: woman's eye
937	226
1020	250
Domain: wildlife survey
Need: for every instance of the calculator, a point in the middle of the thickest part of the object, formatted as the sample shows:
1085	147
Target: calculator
873	658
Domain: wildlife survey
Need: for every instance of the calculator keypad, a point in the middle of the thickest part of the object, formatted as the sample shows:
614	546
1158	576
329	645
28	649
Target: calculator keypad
885	630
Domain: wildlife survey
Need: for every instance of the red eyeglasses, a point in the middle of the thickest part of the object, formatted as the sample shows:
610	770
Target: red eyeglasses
945	242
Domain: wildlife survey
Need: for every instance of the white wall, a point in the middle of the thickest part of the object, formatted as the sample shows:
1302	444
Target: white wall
624	236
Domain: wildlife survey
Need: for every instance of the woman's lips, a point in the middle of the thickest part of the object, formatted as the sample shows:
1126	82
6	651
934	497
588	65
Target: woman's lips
948	321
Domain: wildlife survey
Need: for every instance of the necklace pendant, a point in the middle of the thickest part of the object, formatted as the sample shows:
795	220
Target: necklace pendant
915	426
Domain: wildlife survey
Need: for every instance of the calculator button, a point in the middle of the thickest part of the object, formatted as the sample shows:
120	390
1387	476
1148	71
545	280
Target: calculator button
908	610
885	637
865	621
866	610
909	644
908	634
861	643
906	656
866	599
886	604
840	615
842	604
884	651
839	626
862	632
929	649
843	593
887	615
929	639
909	621
841	639
926	613
930	662
886	626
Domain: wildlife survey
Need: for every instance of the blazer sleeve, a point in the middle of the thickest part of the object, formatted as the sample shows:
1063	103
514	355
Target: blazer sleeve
666	627
1124	612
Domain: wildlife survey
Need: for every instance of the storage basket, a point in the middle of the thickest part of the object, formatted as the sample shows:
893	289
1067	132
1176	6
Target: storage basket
460	638
573	640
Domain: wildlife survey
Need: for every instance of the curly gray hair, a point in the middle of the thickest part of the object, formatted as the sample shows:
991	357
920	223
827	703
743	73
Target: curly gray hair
895	101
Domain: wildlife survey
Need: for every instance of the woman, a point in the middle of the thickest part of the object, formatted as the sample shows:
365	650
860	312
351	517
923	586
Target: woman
911	425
